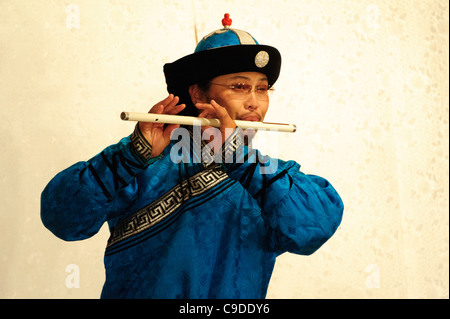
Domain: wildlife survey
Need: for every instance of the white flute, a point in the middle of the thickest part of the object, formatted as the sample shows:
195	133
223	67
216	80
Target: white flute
191	120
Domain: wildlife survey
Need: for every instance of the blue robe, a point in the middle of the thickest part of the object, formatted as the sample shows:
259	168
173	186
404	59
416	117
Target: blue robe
188	224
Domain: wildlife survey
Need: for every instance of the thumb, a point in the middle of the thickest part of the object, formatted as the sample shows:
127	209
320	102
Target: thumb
169	130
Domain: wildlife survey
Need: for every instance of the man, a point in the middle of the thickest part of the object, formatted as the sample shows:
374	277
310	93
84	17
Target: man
198	226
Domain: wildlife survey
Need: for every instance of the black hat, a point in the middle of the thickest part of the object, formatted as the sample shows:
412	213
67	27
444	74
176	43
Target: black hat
223	51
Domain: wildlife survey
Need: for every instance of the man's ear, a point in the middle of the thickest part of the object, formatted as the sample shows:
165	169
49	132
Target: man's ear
197	95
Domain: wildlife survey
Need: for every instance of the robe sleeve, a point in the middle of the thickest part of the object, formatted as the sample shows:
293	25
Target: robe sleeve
78	200
302	211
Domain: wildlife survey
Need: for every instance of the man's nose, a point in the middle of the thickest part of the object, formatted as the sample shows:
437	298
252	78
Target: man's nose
252	101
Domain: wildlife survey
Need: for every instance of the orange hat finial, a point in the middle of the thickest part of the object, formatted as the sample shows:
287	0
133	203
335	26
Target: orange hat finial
226	21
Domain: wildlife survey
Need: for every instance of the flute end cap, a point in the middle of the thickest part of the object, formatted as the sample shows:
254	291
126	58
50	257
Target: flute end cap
295	128
124	116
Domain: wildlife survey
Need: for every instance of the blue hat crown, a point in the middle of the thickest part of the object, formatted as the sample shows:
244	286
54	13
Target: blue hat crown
225	37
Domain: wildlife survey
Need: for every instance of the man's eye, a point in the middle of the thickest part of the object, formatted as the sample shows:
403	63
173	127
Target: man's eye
240	87
262	89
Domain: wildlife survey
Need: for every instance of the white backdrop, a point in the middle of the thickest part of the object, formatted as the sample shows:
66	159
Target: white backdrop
366	82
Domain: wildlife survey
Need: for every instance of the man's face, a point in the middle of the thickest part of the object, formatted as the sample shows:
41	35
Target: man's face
246	107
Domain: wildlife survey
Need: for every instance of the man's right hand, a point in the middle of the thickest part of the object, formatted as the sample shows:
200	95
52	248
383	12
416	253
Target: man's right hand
155	133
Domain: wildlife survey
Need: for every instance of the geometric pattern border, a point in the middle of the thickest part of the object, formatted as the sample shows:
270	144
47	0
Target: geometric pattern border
140	145
168	203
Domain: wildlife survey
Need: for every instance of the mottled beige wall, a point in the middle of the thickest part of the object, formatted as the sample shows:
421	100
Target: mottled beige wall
365	81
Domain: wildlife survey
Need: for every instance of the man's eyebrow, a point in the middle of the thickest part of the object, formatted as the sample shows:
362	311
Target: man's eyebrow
246	78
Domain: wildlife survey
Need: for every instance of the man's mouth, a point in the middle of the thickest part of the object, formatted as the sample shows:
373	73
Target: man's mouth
251	118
